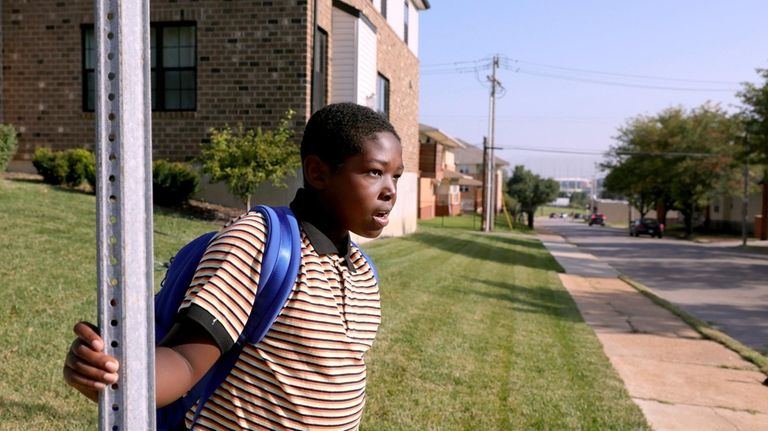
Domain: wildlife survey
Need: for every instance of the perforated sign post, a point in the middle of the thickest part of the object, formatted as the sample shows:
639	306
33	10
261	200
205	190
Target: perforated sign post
124	211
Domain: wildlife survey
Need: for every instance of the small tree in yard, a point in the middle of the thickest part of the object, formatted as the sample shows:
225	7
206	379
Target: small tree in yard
246	158
531	191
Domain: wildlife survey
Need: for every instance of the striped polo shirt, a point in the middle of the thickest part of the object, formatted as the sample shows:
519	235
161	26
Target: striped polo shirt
309	370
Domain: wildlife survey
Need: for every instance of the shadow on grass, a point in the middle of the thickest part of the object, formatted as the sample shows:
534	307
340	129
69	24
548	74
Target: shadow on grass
79	190
510	251
510	240
25	179
552	302
14	409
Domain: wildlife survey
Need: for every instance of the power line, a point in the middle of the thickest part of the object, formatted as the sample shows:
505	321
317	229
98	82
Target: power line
531	117
626	75
556	151
622	84
666	154
453	70
454	63
508	63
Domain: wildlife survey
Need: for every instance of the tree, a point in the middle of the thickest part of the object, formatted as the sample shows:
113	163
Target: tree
641	179
578	200
531	191
707	138
755	112
246	158
675	159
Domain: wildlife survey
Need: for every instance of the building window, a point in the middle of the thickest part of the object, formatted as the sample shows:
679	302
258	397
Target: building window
384	8
382	93
89	68
405	22
174	71
320	70
173	51
463	189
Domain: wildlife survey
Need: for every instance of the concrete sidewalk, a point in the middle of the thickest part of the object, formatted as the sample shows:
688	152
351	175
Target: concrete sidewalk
680	380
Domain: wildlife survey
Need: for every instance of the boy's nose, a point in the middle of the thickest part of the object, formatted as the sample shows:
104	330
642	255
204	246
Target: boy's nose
389	192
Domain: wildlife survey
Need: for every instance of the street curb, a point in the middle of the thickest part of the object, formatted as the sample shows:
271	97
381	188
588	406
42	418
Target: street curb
703	328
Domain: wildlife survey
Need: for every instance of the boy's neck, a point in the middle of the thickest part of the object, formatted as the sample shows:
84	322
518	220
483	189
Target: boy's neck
310	207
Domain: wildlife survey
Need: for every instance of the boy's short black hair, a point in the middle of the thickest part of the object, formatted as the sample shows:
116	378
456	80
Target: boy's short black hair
338	131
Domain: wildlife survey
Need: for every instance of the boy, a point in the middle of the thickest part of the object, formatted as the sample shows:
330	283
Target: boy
309	371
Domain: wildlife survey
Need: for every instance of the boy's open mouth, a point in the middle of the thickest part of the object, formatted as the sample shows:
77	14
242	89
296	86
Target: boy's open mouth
382	218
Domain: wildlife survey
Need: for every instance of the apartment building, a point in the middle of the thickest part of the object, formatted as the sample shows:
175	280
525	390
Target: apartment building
218	62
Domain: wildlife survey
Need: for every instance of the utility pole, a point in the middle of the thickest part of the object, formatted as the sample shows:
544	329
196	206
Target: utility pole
490	204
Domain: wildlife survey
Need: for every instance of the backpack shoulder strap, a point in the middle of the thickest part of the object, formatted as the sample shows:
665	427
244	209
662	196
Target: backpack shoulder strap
283	257
279	268
370	262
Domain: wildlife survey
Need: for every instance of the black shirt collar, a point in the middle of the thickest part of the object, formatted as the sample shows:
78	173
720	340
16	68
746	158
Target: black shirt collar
310	218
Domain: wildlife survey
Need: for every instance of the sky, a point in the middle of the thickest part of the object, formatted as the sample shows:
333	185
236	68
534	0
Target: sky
573	72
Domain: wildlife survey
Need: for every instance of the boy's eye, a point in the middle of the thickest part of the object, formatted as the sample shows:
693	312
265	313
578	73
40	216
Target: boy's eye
396	177
375	172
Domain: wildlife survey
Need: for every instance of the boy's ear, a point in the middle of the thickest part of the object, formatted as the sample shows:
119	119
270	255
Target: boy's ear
316	172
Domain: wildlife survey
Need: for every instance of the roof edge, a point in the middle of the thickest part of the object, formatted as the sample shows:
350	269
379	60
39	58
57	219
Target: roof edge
421	4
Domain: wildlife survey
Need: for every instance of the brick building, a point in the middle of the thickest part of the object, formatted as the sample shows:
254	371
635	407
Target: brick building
217	62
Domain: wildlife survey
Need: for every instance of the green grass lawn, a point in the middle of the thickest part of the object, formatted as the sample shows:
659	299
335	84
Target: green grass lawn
478	333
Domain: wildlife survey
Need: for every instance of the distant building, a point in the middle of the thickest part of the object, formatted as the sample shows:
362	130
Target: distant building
469	161
572	185
440	184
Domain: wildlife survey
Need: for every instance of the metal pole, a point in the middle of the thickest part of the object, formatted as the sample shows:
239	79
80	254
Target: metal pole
124	211
486	187
745	198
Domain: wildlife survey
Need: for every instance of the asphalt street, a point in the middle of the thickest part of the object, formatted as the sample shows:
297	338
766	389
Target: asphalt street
716	282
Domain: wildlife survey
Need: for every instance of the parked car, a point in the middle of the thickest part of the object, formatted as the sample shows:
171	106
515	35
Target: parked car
646	226
597	218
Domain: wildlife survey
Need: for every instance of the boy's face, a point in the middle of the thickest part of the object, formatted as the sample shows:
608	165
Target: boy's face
364	190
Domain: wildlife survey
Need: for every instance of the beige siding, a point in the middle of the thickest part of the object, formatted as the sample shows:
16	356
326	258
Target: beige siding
366	65
395	16
343	57
413	30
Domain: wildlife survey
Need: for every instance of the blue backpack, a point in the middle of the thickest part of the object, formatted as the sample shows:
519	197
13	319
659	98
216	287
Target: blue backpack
279	268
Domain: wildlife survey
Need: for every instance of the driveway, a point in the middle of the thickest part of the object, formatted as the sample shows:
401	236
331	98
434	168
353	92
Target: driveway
717	282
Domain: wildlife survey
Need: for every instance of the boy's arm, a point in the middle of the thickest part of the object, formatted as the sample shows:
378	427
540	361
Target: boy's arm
182	361
177	368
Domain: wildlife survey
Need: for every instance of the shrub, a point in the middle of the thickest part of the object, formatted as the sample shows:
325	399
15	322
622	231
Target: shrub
90	174
173	183
69	167
50	165
7	145
80	163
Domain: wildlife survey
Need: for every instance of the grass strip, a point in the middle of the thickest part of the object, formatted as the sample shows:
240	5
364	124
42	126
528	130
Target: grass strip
703	328
477	334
